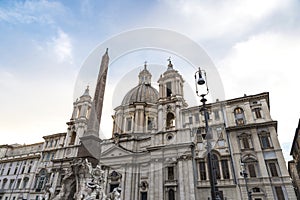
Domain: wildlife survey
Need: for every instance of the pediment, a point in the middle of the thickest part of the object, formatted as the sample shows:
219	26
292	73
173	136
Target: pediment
115	151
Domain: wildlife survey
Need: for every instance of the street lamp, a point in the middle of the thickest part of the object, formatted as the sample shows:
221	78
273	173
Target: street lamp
200	81
244	174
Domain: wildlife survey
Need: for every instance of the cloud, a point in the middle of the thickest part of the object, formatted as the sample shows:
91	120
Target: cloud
267	62
62	47
31	12
214	19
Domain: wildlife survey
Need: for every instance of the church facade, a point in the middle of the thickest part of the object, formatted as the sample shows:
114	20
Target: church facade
158	149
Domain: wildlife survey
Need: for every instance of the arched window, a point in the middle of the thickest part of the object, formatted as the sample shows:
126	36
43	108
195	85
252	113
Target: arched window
216	166
171	194
239	116
4	183
170	120
25	182
41	180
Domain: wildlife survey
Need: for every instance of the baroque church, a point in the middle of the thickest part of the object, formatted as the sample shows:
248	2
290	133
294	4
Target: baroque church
158	149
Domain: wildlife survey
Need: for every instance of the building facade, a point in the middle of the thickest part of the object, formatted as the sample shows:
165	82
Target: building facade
158	149
294	165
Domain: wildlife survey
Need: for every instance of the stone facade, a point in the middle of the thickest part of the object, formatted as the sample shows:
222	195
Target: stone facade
158	149
294	165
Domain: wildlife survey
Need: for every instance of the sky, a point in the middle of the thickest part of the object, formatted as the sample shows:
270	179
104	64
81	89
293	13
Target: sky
253	44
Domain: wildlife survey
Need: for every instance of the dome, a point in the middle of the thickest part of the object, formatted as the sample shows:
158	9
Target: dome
144	92
141	93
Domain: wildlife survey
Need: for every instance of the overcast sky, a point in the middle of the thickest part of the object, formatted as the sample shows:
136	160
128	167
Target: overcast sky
254	45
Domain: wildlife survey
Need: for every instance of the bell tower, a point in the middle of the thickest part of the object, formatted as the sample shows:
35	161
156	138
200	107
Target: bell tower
171	99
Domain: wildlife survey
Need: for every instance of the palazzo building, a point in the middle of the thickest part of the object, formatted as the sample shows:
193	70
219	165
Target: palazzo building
158	148
294	165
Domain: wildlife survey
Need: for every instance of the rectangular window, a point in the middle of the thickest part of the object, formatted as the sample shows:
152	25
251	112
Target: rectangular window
265	142
216	113
279	193
257	113
18	183
23	169
251	170
225	169
170	173
16	170
197	119
190	120
169	89
273	169
245	142
29	169
198	134
129	124
143	195
202	170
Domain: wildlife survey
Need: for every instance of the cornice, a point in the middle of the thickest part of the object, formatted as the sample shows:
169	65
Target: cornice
253	125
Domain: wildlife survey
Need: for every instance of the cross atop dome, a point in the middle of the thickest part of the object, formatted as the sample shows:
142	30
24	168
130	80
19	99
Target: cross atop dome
170	65
145	75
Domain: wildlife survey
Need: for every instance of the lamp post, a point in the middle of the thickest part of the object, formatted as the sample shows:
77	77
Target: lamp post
244	174
200	81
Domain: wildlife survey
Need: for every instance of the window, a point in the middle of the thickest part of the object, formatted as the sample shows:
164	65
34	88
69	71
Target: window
171	194
4	183
41	180
216	113
29	169
8	171
215	166
170	173
144	195
257	113
279	193
251	170
78	112
11	183
265	140
25	182
225	169
245	141
23	169
18	183
190	120
170	120
128	124
16	170
197	119
150	122
273	169
73	138
169	89
239	116
202	170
